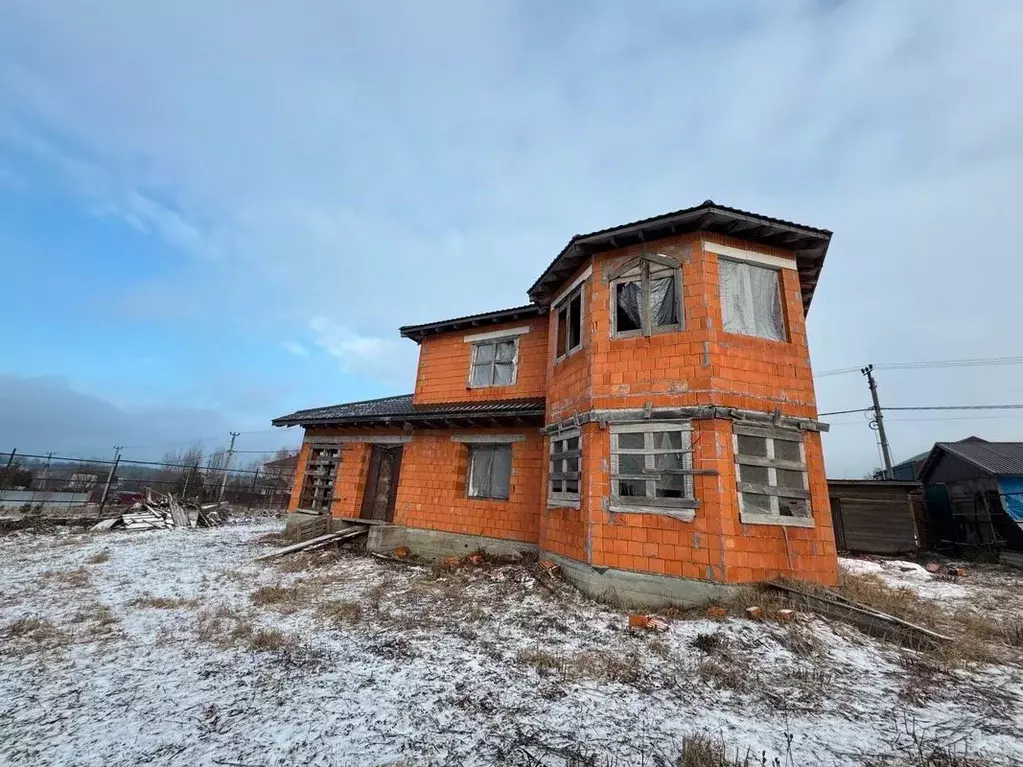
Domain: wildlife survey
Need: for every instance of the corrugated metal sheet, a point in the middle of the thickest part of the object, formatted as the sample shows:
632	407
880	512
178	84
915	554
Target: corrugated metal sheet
873	516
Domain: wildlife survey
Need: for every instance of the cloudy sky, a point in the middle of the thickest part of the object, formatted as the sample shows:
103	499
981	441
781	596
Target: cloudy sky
212	213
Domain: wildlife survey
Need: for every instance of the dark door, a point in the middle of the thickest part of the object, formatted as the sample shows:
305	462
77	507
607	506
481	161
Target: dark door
382	483
838	523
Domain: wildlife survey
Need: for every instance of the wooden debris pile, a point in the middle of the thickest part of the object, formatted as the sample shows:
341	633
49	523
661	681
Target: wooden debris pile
164	512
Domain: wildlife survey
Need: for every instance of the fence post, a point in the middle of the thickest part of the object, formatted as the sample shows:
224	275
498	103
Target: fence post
10	458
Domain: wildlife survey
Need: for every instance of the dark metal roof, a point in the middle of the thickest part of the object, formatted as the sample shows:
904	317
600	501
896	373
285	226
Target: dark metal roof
418	332
399	410
874	482
809	244
1002	458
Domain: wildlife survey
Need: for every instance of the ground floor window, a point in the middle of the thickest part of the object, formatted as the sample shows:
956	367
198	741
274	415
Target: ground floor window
490	471
652	466
320	475
770	469
563	476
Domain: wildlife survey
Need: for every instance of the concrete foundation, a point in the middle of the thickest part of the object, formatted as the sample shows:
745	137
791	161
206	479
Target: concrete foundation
645	590
438	544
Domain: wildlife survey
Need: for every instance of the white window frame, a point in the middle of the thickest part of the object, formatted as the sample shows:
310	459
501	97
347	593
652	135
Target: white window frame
680	508
643	270
493	363
565	303
772	489
748	264
557	464
477	447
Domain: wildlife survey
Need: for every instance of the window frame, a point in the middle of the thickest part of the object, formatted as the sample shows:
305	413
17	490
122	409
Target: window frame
563	498
493	363
476	448
645	263
786	336
566	304
680	508
319	477
772	489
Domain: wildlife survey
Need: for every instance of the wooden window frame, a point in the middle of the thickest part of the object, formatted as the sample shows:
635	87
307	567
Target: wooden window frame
565	305
772	489
680	508
319	477
558	469
493	363
476	448
621	276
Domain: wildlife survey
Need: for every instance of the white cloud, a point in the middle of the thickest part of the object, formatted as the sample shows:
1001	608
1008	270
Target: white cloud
382	358
372	168
295	348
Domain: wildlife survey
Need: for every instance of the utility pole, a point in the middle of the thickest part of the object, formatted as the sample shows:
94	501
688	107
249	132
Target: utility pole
10	458
868	371
227	465
110	477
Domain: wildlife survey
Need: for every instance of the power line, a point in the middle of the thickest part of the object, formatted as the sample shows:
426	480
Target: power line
928	407
923	365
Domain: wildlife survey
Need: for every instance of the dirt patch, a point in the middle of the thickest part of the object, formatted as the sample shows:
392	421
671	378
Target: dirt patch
98	558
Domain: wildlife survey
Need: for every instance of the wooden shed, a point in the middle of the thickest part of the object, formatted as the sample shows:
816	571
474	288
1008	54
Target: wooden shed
876	516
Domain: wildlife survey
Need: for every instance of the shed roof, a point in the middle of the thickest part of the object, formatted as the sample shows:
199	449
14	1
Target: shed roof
399	410
1002	458
809	244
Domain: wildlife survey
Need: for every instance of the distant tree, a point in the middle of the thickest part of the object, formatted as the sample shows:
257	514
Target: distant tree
15	477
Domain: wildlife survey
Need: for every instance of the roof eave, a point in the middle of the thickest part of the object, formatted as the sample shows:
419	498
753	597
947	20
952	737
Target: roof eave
453	418
809	245
418	332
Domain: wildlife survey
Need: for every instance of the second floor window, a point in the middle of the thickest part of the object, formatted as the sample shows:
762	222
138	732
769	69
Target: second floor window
570	323
751	300
646	299
493	363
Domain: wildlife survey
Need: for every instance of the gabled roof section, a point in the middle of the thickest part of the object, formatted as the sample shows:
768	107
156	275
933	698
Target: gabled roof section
391	411
418	332
809	244
996	458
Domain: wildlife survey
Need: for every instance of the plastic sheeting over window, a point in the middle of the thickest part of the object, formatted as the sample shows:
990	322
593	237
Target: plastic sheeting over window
493	363
751	300
649	289
490	471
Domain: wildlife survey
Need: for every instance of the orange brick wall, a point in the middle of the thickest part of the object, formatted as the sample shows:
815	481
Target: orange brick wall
700	365
432	492
432	483
444	366
715	545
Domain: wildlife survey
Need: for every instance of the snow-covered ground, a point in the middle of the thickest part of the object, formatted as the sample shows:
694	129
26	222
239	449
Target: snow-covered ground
170	651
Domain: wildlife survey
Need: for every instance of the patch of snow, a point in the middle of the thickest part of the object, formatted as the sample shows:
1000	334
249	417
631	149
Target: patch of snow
445	668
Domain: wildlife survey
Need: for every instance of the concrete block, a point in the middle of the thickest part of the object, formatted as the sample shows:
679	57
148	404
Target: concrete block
437	545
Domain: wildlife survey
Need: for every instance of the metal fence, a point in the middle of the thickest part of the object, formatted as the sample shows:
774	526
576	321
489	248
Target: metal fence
36	483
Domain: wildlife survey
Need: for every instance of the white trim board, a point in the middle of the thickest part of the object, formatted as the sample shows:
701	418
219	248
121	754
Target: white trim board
572	286
495	334
488	439
741	254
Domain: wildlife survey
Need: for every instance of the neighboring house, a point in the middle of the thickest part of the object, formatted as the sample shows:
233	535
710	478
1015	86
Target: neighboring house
650	413
974	493
908	469
877	516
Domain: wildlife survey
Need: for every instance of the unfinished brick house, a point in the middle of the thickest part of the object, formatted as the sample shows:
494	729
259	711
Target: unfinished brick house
648	420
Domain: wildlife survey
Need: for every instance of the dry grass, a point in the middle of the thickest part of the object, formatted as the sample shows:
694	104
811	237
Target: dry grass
69	578
270	640
341	611
98	558
35	633
99	614
604	666
281	597
700	750
163	603
707	643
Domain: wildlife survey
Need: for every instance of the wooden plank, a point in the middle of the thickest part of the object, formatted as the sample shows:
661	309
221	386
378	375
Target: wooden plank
873	622
322	540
